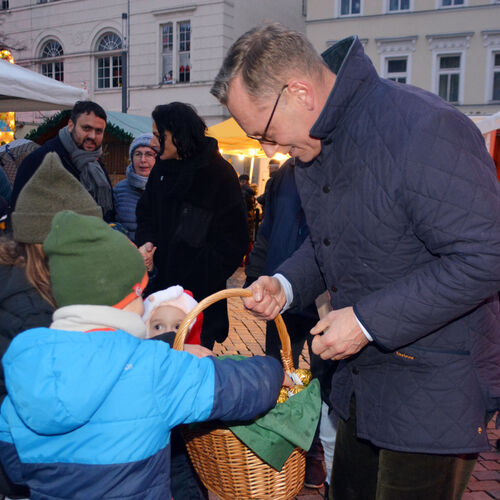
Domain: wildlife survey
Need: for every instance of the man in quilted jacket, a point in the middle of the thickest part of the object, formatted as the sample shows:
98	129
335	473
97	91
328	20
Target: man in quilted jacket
403	207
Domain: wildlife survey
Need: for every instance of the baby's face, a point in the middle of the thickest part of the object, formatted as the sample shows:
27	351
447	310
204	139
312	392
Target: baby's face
164	319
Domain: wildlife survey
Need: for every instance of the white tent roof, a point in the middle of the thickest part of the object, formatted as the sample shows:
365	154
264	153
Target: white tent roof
24	90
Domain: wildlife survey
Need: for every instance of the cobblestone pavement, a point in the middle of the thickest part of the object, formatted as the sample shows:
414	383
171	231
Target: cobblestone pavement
247	337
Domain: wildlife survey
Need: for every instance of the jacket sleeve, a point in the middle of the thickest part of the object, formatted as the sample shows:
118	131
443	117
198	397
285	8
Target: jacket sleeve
257	258
304	274
452	200
190	389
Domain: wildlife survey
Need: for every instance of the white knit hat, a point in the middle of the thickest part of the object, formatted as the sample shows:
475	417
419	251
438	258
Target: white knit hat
174	296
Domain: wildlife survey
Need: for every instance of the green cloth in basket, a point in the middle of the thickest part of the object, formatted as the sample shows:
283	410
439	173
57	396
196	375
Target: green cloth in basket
274	436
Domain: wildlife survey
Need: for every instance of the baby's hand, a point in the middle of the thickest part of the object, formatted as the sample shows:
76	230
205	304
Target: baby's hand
198	350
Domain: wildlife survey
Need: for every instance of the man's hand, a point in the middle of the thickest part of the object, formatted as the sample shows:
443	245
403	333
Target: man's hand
287	381
268	298
147	251
342	336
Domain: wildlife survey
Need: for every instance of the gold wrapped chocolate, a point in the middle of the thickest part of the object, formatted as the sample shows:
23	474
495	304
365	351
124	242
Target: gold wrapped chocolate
295	389
304	375
283	396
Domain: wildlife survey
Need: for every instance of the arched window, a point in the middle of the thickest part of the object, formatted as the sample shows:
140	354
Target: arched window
109	65
52	65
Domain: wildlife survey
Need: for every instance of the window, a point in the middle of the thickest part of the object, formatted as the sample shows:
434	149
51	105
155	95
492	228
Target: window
350	7
396	57
53	67
449	77
399	5
4	5
109	66
176	52
452	3
496	77
396	69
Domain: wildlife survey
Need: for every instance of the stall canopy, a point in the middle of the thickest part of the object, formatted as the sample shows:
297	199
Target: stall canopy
233	140
24	90
132	124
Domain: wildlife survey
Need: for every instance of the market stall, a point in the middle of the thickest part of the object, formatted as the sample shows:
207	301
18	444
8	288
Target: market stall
24	90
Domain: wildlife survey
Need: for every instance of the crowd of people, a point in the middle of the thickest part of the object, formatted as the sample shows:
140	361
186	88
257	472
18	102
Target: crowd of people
389	205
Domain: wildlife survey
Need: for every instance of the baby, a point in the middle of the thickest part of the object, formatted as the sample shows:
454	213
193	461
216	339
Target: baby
165	310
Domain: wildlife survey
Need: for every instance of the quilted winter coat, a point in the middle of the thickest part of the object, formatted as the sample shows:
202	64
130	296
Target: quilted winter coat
403	206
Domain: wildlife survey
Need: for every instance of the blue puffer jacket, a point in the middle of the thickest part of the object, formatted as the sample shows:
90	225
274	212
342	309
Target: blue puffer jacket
403	207
89	415
127	193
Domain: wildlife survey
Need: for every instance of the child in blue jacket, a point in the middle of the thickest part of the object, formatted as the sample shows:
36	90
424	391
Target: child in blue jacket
90	402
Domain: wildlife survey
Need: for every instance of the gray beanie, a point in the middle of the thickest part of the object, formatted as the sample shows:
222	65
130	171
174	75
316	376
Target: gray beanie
51	189
140	140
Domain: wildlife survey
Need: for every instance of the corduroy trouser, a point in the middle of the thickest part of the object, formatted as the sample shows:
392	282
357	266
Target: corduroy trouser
362	471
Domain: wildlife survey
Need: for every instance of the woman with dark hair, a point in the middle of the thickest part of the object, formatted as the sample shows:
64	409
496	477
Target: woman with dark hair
192	211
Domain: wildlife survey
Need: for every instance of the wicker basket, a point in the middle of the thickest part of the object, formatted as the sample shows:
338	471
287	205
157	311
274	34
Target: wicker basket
224	464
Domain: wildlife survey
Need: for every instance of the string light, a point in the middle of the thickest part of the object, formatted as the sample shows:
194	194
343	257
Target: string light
9	118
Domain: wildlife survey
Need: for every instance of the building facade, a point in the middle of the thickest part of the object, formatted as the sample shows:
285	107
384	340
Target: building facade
174	48
449	47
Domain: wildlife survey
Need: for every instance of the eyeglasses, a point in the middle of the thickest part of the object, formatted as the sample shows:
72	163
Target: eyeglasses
262	138
148	155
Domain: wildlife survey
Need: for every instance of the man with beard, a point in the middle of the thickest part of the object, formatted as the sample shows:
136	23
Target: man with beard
79	147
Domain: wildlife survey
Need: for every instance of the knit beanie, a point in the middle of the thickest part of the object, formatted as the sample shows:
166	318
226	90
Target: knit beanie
51	189
140	140
90	263
175	296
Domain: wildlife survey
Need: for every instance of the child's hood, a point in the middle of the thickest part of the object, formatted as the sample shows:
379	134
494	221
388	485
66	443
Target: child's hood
57	379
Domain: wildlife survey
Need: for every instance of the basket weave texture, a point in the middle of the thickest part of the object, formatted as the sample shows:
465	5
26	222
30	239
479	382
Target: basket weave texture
224	464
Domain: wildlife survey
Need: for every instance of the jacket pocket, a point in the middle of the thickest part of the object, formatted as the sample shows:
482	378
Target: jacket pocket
193	226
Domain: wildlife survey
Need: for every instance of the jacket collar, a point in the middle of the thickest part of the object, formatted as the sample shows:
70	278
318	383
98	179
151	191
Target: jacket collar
355	77
84	318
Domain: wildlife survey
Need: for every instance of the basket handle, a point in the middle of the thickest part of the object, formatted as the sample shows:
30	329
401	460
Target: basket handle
286	348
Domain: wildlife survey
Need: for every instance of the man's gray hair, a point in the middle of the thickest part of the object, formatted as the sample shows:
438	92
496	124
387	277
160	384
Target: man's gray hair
266	56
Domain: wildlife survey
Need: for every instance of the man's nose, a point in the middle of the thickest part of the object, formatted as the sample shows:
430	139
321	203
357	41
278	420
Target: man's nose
272	149
91	134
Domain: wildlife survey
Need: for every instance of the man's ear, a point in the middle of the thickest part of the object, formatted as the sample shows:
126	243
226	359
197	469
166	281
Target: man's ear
302	91
71	126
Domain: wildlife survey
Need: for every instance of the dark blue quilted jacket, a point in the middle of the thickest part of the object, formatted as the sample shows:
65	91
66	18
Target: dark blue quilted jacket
404	211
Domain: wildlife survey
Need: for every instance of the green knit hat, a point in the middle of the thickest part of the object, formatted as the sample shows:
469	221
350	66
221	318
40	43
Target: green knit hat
90	263
51	189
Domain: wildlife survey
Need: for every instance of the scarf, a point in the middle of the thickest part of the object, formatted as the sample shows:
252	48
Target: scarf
83	318
134	179
92	176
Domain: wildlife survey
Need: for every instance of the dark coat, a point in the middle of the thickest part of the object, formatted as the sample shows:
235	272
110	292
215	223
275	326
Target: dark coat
403	207
194	213
21	308
31	163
